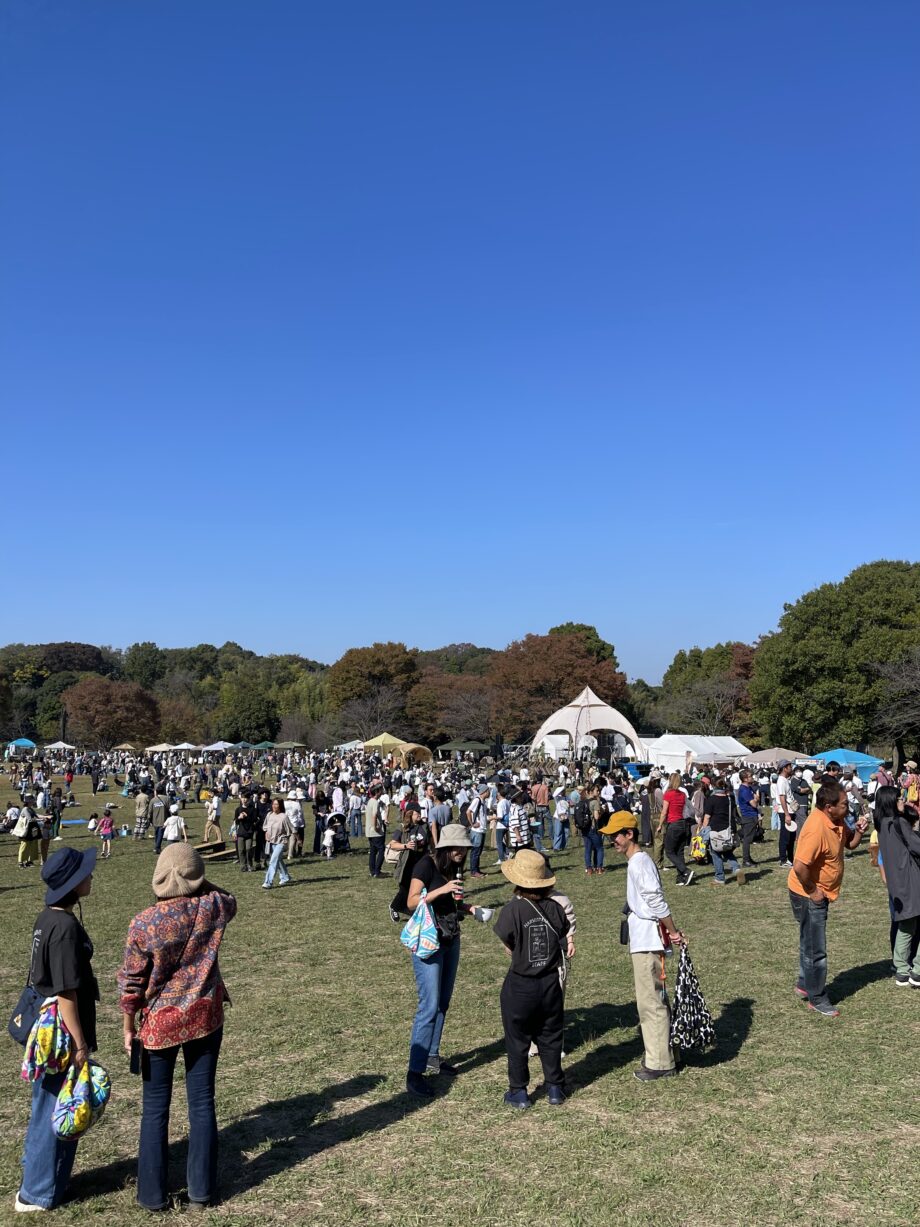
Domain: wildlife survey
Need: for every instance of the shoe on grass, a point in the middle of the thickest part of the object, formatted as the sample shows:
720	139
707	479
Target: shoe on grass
915	979
642	1074
418	1084
518	1099
902	979
556	1096
740	877
26	1207
394	915
800	992
437	1066
825	1009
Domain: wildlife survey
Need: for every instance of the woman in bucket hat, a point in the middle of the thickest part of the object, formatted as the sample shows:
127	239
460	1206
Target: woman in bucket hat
440	875
61	967
534	929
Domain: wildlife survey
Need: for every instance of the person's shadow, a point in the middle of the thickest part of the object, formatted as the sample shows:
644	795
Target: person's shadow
732	1027
288	1128
848	982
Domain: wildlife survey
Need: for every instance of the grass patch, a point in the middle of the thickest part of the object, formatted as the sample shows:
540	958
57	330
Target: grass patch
792	1119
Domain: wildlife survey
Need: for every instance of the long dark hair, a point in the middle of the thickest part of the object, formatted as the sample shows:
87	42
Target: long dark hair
441	857
886	804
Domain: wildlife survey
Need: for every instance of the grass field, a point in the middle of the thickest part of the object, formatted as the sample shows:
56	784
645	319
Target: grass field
791	1119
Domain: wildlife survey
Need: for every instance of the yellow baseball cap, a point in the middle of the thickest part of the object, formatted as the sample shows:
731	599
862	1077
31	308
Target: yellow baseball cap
622	820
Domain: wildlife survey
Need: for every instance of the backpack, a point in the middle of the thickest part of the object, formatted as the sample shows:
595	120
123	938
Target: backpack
582	817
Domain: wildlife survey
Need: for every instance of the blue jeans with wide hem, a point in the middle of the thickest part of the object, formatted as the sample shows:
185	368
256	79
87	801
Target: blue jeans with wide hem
594	850
276	865
477	839
560	834
47	1160
812	921
434	979
157	1068
719	862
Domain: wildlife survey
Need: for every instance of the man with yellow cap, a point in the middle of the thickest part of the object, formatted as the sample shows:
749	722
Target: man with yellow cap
649	919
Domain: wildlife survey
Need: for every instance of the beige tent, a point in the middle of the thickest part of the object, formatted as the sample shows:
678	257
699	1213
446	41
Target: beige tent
386	743
584	716
126	745
413	753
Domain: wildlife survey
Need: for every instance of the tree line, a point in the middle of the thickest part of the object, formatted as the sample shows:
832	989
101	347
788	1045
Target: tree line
843	666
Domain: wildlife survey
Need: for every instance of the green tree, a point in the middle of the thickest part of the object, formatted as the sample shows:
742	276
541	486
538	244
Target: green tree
816	680
246	711
145	664
49	706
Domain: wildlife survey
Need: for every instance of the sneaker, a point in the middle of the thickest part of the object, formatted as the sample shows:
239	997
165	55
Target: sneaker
686	879
394	915
556	1096
518	1099
902	979
718	881
740	877
25	1207
651	1075
785	864
266	885
57	840
914	980
800	992
418	1084
824	1008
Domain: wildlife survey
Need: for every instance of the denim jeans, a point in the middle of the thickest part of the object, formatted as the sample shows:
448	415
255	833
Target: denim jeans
560	834
501	842
354	823
477	838
375	850
158	838
720	860
594	850
812	921
157	1067
47	1160
434	979
276	865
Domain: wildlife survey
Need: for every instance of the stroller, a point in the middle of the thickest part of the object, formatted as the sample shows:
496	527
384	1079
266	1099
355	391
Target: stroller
335	836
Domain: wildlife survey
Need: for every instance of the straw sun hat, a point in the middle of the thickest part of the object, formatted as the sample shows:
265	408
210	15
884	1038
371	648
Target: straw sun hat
529	870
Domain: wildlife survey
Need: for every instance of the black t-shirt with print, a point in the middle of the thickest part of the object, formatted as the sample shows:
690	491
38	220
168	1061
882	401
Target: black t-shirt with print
62	962
534	931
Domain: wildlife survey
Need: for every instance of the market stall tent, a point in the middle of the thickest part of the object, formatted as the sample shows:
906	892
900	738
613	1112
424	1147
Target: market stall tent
22	743
126	745
60	745
386	743
862	764
775	755
162	748
585	715
679	751
411	752
218	745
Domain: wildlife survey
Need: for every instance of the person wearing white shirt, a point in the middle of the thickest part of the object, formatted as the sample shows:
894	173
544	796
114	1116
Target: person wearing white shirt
649	914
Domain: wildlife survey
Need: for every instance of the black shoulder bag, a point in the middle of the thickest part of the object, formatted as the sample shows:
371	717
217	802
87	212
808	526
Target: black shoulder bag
28	1007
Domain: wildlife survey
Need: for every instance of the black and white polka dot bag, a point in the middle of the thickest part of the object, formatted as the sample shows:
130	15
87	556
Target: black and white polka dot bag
691	1022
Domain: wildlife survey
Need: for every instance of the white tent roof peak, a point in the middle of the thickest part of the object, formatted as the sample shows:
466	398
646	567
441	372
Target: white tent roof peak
588	714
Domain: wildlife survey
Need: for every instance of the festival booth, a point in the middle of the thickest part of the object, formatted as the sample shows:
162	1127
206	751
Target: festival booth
60	745
579	721
347	746
411	753
680	751
217	746
126	745
862	764
458	747
769	758
19	748
162	748
384	743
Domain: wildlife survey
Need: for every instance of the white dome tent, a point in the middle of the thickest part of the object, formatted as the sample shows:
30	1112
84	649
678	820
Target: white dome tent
583	717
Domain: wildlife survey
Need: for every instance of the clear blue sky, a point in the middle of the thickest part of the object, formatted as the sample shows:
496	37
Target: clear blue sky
450	321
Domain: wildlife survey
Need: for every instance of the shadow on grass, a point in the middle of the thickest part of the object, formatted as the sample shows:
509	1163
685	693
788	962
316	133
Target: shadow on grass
309	881
849	982
287	1129
733	1026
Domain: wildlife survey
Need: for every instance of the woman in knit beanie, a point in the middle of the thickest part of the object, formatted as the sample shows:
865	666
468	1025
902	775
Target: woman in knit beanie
172	997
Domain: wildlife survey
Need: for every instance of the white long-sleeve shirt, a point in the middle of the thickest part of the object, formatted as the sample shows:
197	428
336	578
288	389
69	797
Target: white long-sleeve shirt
646	902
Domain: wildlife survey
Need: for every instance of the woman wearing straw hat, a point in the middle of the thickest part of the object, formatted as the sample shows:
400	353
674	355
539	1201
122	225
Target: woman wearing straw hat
534	929
61	967
440	875
172	997
649	918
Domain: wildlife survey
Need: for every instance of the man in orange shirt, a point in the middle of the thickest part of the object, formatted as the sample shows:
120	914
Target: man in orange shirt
814	882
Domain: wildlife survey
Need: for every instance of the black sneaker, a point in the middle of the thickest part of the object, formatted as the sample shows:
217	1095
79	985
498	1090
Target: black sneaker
394	915
902	979
556	1096
652	1075
914	980
418	1084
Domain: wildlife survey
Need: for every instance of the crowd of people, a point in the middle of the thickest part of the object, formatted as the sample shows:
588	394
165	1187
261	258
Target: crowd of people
431	828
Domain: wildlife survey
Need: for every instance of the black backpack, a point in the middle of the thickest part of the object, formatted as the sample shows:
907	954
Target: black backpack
582	817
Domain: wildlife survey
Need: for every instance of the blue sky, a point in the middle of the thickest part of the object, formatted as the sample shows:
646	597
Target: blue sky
451	323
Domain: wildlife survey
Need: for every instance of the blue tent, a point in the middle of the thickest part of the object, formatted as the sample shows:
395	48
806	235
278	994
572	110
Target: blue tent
862	764
23	743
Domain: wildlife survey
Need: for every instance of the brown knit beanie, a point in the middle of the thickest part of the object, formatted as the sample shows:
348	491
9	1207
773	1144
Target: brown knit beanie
179	872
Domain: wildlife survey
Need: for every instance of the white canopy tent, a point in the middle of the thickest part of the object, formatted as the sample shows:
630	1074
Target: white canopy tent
346	746
219	745
160	749
186	745
580	719
679	751
60	745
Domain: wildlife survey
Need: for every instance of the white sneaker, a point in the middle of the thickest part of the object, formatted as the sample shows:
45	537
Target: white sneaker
24	1207
57	840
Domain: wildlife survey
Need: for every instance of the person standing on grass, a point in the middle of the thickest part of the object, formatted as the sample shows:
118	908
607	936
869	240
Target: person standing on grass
106	832
814	883
172	996
439	814
375	830
212	811
676	827
141	814
717	819
157	819
787	808
649	917
277	831
899	845
57	814
749	815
